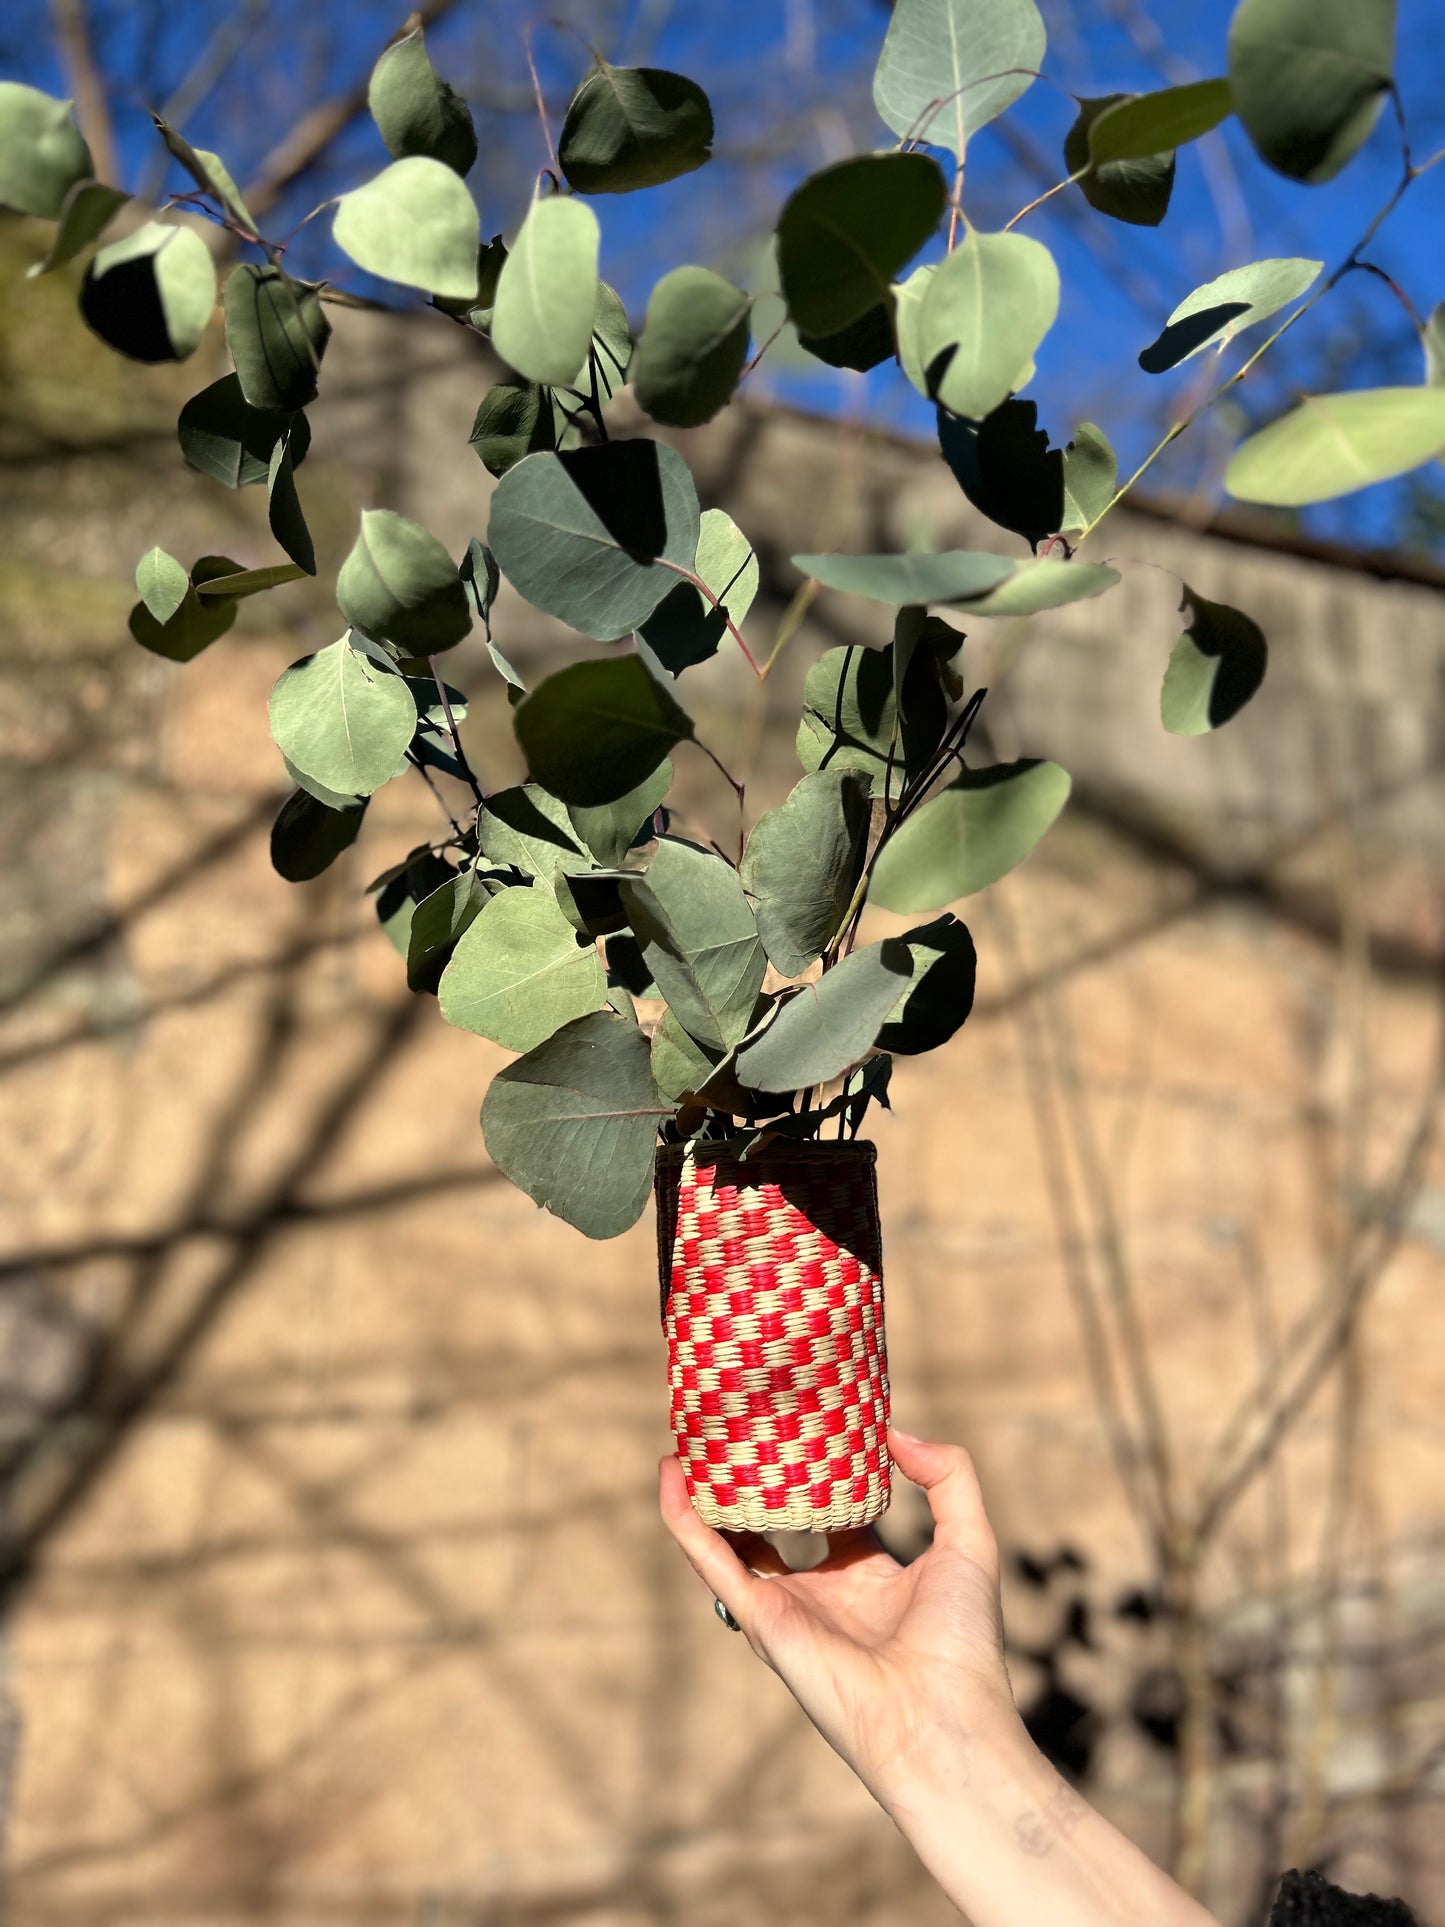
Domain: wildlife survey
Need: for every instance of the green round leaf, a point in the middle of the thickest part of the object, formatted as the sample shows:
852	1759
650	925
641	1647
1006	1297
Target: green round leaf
283	506
1005	467
862	345
416	111
1091	475
1044	583
802	863
596	730
161	583
968	836
692	349
308	836
574	1123
698	940
192	628
948	67
1216	666
437	925
399	584
151	295
826	1027
609	830
519	973
530	830
1334	444
87	210
630	127
680	1065
984	312
1139	126
415	223
847	231
957	576
343	719
581	534
1433	342
939	997
1218	311
1132	190
686	628
277	332
515	419
1307	78
222	435
547	292
42	154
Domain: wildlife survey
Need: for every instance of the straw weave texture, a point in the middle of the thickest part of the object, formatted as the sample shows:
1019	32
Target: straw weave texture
772	1276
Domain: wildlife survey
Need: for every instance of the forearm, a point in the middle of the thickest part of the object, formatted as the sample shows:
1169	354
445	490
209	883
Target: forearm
1012	1844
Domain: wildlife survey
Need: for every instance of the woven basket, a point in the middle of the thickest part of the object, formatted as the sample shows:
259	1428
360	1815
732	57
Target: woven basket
772	1283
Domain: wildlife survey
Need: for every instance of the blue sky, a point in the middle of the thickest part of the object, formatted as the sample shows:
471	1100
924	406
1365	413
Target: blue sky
802	68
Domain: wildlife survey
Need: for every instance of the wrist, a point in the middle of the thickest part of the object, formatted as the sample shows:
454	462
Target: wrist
945	1764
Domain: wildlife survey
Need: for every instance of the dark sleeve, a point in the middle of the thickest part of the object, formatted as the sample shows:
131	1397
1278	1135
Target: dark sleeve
1308	1900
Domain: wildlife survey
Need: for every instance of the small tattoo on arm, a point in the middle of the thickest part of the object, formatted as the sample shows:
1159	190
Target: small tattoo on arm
1061	1815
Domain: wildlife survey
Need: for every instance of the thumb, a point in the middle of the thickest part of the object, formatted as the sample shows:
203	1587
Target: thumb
947	1475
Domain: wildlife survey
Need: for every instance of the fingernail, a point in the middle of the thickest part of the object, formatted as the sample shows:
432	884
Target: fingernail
908	1438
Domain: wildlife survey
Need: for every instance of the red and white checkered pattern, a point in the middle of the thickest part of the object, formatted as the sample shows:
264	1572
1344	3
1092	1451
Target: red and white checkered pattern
772	1279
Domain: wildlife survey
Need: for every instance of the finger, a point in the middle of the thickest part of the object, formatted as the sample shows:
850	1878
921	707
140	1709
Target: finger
707	1552
755	1553
947	1475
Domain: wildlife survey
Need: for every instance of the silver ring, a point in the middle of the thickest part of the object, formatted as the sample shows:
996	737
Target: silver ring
725	1616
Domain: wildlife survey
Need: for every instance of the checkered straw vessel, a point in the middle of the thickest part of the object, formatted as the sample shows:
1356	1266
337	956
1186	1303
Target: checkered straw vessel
772	1279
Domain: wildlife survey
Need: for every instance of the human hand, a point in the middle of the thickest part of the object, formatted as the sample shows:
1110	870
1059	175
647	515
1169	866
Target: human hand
895	1665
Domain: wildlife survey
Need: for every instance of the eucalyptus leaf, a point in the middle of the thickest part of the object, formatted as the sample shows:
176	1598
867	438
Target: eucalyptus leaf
42	154
681	1067
907	317
1005	467
1044	583
693	345
1141	126
415	111
249	582
514	419
547	292
957	576
308	836
582	534
1091	475
609	830
685	628
631	127
851	718
151	295
223	436
1308	78
161	583
193	627
415	223
400	584
1215	313
984	312
948	67
528	829
698	939
342	718
1334	444
574	1123
846	232
611	348
210	174
1216	666
860	345
277	331
483	578
438	923
943	966
87	210
519	972
401	889
827	1026
968	836
802	863
1135	189
283	508
595	730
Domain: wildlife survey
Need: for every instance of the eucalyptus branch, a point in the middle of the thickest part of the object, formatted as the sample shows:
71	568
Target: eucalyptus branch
1047	195
426	776
1351	261
697	582
461	754
541	102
